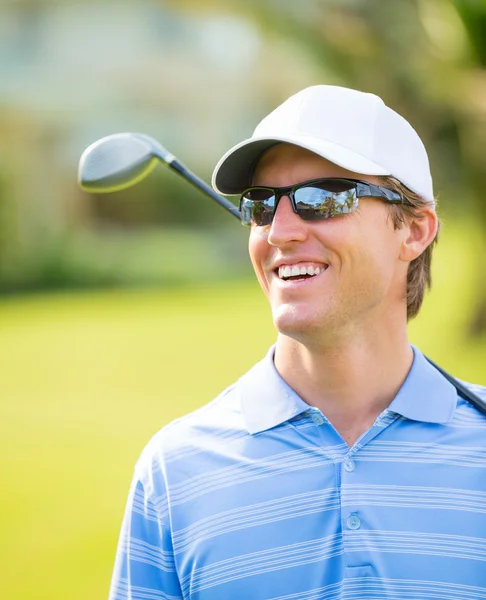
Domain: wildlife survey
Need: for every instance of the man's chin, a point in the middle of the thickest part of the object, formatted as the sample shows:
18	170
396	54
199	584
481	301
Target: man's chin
294	323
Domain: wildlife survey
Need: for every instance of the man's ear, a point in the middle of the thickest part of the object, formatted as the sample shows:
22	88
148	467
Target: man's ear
419	233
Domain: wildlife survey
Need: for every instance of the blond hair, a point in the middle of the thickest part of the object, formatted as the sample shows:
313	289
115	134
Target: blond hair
419	276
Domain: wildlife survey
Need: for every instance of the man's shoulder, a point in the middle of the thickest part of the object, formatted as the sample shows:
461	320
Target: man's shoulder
213	424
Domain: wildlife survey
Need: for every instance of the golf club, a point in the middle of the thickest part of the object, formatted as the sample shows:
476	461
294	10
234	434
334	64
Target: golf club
121	160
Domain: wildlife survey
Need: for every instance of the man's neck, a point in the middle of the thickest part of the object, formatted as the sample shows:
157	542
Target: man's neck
351	383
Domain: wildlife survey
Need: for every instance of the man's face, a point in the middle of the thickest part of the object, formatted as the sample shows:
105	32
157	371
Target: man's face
361	277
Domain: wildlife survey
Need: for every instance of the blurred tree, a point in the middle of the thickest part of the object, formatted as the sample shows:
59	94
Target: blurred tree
472	119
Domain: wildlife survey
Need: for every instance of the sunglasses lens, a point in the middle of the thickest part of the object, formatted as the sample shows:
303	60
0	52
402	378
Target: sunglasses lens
313	201
257	206
327	199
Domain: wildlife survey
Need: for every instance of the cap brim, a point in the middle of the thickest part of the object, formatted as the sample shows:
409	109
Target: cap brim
233	173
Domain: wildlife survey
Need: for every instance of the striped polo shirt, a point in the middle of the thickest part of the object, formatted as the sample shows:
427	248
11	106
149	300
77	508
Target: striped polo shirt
256	496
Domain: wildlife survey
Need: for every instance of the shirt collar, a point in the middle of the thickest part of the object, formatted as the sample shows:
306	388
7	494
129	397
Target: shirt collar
425	395
267	401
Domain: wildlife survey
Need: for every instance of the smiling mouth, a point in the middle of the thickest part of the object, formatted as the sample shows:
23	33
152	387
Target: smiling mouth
299	272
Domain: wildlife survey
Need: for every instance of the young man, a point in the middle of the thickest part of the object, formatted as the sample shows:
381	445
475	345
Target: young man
343	465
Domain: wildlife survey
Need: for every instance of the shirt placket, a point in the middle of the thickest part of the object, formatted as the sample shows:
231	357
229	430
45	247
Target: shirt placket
353	518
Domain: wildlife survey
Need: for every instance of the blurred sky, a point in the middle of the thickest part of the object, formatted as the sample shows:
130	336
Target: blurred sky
86	69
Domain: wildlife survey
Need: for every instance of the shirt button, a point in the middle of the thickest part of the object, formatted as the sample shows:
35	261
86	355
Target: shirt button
317	418
349	465
353	522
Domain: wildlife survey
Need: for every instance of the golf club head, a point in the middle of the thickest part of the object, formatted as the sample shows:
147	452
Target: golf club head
119	161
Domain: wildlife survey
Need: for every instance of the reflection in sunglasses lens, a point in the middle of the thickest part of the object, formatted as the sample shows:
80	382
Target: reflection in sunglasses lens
313	201
320	202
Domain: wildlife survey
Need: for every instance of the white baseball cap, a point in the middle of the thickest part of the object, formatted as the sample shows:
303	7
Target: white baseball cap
352	129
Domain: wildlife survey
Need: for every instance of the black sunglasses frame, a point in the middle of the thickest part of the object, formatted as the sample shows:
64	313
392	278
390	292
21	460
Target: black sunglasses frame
364	189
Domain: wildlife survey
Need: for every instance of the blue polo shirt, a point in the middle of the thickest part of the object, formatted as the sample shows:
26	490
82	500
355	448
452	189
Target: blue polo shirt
256	496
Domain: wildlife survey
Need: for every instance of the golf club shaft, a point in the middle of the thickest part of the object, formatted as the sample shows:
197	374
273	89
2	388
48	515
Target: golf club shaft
204	187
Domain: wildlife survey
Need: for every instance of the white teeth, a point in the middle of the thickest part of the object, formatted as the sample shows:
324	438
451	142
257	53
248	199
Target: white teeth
296	270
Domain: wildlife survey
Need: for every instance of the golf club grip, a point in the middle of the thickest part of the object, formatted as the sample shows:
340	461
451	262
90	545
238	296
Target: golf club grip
462	390
204	187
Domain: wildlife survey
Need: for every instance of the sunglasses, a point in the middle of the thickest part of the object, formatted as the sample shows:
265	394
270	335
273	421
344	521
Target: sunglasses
312	200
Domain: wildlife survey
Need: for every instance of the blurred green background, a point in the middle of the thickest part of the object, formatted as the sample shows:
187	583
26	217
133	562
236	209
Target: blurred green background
120	313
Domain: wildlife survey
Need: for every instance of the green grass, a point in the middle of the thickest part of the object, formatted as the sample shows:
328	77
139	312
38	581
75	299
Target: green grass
88	378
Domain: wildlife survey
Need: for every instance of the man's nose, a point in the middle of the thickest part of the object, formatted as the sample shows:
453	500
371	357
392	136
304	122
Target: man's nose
286	226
